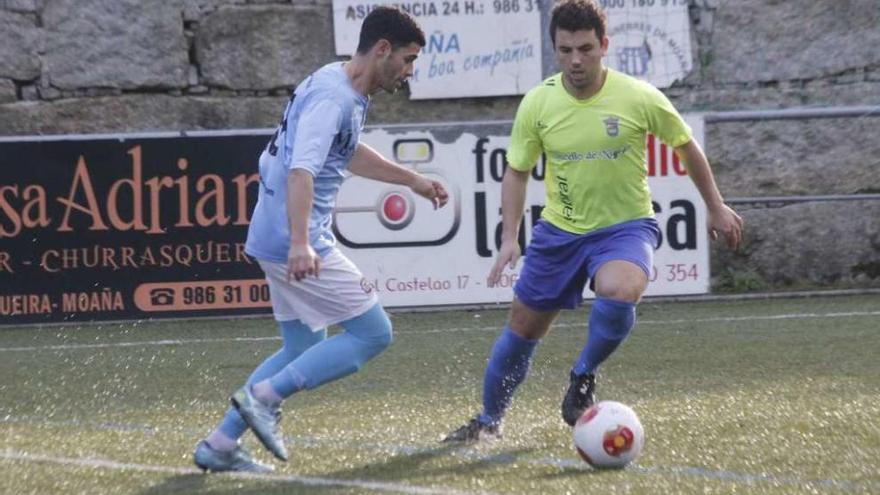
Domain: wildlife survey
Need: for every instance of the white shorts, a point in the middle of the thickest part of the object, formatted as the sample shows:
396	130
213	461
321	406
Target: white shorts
338	294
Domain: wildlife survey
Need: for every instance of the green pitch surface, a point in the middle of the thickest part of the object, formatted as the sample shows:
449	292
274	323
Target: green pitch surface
771	396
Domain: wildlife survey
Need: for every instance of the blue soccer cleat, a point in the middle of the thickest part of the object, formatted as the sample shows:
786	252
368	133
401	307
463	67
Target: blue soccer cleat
262	419
216	461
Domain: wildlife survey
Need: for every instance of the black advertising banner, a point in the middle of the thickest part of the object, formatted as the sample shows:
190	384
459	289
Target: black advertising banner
128	227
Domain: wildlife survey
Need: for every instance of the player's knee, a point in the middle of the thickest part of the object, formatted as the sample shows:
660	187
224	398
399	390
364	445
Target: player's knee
621	292
377	341
372	330
528	323
383	337
621	281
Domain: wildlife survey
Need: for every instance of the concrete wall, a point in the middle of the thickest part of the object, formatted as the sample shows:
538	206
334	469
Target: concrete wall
84	66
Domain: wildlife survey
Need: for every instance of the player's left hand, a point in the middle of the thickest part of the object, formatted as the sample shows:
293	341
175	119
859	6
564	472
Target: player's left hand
431	190
725	221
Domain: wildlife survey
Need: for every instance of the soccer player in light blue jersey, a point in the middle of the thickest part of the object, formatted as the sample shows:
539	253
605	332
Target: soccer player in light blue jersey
311	283
597	225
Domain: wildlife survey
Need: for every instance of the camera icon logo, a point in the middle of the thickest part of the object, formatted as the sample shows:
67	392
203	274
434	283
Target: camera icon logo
370	214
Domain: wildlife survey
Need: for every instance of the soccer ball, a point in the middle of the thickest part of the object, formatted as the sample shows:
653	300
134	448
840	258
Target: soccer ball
609	435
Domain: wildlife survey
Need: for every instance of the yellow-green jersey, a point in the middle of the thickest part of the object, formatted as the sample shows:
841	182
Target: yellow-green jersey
596	173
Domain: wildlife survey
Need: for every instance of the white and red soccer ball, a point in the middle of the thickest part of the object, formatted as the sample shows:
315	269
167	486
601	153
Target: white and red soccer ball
609	435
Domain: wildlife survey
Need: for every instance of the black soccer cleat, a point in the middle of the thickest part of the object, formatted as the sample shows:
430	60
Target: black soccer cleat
474	431
579	398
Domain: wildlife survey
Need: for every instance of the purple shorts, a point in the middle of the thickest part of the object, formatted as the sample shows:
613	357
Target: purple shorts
558	263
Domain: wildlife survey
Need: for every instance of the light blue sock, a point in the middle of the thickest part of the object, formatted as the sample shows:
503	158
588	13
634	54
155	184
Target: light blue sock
508	366
364	337
610	323
297	337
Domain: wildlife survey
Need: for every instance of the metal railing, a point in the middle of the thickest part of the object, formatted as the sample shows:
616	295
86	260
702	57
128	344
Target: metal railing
794	114
802	199
805	113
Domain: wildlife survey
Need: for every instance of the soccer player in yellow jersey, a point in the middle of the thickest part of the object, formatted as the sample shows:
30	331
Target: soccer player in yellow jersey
597	224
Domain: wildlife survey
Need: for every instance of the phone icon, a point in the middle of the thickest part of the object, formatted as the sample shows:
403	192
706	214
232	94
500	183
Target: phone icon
162	297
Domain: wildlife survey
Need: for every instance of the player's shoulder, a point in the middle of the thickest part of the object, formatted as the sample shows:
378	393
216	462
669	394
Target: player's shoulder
547	88
631	85
326	82
543	93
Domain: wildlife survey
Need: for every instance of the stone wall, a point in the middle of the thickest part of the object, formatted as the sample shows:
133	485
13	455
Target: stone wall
87	66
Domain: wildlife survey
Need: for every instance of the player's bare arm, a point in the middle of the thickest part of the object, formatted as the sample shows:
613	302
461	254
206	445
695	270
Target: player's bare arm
722	218
513	197
302	260
368	163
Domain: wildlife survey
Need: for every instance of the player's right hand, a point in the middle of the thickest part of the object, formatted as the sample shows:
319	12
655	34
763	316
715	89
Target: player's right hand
508	255
302	261
432	190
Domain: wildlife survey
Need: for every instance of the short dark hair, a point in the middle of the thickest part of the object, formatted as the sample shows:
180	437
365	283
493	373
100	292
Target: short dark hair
392	24
575	15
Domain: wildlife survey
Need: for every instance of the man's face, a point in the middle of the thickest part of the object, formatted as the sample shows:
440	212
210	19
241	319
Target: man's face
579	55
396	66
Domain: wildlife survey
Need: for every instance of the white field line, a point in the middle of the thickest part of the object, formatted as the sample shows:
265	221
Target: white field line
286	478
143	343
716	319
170	342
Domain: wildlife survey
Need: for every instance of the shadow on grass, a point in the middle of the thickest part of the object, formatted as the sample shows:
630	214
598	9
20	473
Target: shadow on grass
183	483
401	469
404	467
571	472
220	483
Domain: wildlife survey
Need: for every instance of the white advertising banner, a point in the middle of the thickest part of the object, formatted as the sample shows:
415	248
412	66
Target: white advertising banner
650	39
413	255
474	48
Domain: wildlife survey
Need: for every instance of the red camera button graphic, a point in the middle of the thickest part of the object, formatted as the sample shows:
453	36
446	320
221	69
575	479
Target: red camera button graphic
396	210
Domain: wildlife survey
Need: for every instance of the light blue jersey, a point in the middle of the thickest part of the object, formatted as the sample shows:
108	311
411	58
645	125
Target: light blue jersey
318	133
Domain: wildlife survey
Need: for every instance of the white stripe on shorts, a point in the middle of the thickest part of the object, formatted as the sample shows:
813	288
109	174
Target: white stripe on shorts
338	293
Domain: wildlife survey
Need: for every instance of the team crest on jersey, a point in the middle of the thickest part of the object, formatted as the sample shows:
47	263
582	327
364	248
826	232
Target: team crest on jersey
612	126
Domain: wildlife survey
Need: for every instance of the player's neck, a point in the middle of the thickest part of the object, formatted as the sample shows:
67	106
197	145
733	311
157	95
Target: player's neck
590	89
361	75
